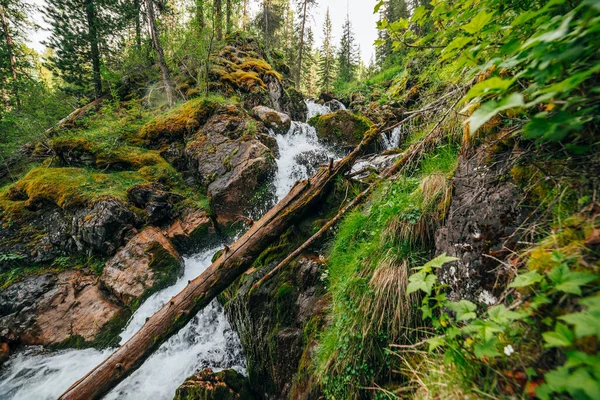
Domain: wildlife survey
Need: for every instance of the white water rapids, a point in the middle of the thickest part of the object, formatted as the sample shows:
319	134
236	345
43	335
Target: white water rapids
207	341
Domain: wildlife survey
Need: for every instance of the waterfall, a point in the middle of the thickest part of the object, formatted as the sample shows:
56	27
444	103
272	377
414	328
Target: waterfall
206	341
392	140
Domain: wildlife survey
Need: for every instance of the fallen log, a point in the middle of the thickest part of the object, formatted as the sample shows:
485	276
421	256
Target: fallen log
408	157
224	271
77	114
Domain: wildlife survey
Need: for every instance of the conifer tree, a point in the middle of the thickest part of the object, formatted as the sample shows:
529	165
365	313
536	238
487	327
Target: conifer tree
308	62
327	57
347	54
303	11
80	32
13	24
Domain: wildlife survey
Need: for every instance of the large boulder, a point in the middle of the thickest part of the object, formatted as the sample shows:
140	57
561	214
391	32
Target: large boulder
229	159
193	230
275	323
155	200
51	309
208	385
104	227
146	264
275	120
481	225
341	128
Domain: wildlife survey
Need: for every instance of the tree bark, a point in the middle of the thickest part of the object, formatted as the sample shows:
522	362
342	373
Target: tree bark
234	261
301	46
11	54
245	16
90	12
155	34
200	14
218	10
138	24
228	16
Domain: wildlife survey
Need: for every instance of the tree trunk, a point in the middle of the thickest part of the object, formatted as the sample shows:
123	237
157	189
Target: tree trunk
218	11
301	46
10	52
200	14
234	261
138	24
245	16
228	16
90	12
154	33
266	17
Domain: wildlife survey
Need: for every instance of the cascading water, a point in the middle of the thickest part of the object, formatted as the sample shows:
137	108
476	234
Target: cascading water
206	341
391	140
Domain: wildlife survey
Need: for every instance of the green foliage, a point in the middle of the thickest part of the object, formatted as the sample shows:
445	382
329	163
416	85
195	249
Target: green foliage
536	59
474	338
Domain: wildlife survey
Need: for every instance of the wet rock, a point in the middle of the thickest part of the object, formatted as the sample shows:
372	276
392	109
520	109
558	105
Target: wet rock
270	142
157	202
279	122
483	216
146	264
341	128
174	155
50	309
104	227
363	168
334	105
308	163
208	385
193	230
231	162
271	320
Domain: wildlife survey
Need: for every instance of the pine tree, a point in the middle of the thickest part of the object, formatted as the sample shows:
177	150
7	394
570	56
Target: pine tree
303	12
391	11
307	62
327	57
80	34
347	54
13	24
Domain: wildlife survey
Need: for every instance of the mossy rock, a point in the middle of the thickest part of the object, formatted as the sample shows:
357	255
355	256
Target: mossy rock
183	120
208	385
341	128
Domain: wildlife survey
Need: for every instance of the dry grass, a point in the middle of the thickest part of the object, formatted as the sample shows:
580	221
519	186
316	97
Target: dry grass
389	304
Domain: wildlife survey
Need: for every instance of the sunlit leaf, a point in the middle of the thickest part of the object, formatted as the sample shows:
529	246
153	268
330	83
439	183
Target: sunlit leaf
478	22
488	110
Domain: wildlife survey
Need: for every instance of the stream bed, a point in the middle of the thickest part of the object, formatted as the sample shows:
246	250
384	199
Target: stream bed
207	341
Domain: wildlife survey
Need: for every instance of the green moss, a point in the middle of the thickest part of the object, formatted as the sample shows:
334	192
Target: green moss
182	120
109	335
69	187
341	127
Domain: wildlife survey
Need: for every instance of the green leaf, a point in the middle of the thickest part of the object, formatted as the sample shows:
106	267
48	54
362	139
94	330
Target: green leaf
494	84
478	22
418	13
378	6
560	337
457	43
488	110
440	260
435	342
399	25
553	35
486	349
420	281
503	315
526	279
586	323
569	281
464	310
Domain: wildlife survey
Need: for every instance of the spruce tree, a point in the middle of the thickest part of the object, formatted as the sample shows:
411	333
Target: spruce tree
327	57
307	62
303	11
347	54
80	37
